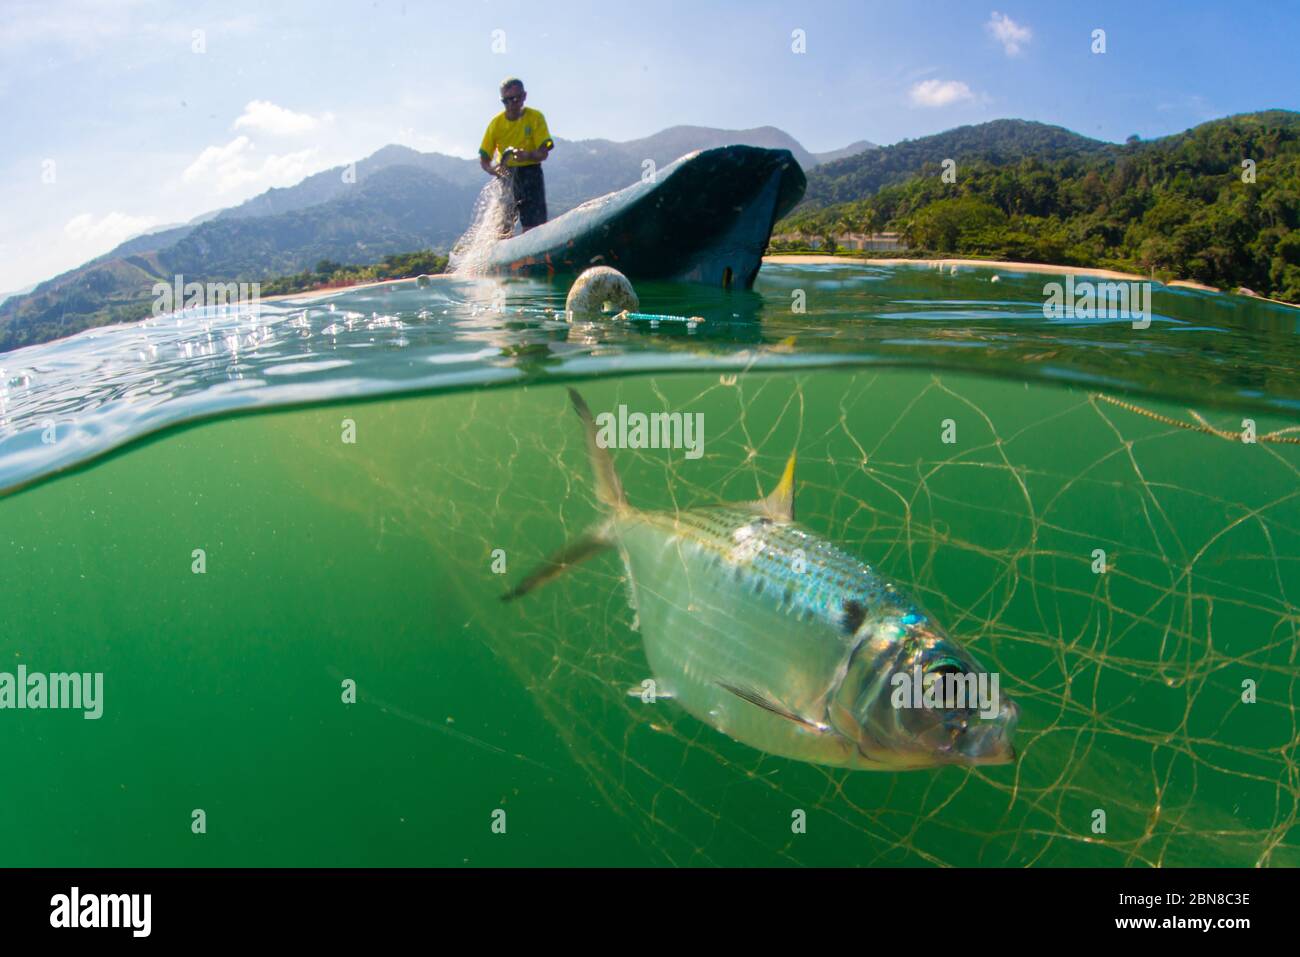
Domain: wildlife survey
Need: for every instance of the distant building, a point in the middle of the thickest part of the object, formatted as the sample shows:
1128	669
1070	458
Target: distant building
873	242
860	242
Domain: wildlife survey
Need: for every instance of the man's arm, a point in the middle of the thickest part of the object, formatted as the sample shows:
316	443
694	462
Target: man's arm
486	164
544	137
485	151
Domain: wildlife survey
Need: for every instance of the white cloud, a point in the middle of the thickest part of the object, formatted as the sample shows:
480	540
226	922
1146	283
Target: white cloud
1013	36
265	116
233	166
113	228
940	92
216	157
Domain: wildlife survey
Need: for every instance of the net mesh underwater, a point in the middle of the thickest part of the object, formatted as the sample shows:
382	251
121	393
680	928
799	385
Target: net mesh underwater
1158	695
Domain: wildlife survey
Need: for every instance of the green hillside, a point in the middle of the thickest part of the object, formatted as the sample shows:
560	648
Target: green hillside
1176	207
998	142
394	210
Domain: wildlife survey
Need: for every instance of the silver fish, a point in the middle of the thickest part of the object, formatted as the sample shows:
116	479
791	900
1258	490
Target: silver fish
771	634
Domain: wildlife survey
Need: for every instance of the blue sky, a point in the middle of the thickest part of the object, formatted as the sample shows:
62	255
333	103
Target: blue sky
118	117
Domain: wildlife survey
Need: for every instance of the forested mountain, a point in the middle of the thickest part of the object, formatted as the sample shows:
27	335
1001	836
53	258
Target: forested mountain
1219	204
999	142
397	209
393	210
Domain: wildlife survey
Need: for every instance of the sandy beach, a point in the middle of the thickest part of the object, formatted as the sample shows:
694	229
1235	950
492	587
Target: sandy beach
1016	267
795	259
981	263
330	290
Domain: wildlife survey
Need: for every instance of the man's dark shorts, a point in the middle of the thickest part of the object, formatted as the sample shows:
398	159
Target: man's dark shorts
529	189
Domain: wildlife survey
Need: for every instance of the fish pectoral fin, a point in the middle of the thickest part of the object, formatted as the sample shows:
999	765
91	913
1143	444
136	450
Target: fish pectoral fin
767	704
576	552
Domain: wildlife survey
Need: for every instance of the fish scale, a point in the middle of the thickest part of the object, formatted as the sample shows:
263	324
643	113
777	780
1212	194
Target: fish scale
830	576
719	574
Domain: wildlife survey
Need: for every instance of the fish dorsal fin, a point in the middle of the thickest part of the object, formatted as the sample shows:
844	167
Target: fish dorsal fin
779	505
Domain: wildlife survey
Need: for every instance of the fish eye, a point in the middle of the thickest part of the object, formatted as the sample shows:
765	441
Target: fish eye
945	665
938	671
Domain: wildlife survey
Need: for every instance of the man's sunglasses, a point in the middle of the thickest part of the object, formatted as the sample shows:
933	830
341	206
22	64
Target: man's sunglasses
512	99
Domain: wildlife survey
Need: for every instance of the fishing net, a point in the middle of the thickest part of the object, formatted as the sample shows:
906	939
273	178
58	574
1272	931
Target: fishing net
492	221
1129	568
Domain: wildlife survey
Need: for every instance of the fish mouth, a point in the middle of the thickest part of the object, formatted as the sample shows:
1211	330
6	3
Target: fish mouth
987	743
990	741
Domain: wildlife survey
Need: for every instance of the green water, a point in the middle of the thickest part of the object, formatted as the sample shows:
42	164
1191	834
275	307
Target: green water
373	560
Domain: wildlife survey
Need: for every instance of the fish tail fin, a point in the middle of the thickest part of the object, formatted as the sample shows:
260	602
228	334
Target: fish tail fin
591	543
609	490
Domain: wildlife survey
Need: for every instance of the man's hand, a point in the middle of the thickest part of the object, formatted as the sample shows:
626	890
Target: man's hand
502	169
528	156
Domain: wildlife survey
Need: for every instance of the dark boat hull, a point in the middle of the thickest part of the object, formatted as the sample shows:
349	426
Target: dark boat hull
706	217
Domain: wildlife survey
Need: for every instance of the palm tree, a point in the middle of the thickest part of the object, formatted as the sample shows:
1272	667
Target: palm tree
870	220
907	231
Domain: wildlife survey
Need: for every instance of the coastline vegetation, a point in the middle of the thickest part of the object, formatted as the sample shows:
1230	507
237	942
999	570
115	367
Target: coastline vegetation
1219	205
328	275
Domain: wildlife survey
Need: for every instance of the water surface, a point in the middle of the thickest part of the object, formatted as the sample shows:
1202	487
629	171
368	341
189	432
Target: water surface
126	449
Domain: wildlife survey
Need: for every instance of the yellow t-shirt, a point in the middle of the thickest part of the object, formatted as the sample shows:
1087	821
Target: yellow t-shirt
529	132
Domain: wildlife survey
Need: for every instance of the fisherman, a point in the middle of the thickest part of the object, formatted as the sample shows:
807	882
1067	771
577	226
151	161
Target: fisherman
519	135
